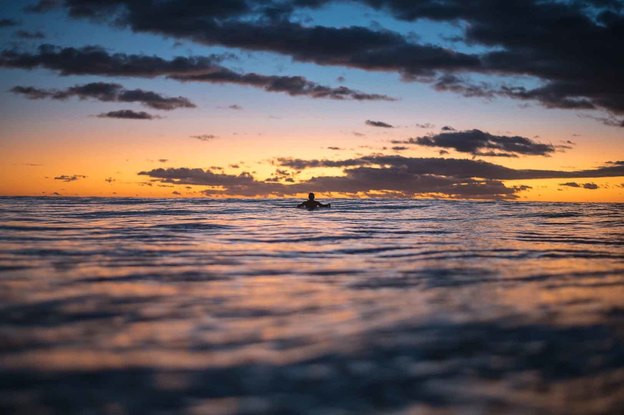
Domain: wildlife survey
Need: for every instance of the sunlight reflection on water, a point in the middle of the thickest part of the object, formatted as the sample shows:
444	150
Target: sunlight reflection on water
199	306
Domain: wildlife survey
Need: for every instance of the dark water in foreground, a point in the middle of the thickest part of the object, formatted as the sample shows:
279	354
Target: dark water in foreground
126	306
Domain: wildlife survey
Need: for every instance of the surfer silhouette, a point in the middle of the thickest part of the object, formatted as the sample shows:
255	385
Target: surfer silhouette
311	203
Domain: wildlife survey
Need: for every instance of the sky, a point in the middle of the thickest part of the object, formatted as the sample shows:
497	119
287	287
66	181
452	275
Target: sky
516	100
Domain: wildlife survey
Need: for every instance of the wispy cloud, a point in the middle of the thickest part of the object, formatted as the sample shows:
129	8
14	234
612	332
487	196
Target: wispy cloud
70	178
204	137
379	124
589	186
24	34
129	115
8	23
106	92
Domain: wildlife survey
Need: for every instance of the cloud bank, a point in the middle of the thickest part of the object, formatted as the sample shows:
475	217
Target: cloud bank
480	143
377	175
94	60
573	49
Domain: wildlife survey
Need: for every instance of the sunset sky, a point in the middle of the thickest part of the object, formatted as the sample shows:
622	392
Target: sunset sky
485	99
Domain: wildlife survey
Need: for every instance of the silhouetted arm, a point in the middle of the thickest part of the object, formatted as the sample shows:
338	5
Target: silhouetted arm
324	205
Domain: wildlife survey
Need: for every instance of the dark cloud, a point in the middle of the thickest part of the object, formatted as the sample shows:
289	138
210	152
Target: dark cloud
292	85
380	124
70	178
255	25
611	120
357	180
235	107
93	60
128	115
107	92
573	49
23	34
522	187
589	186
453	167
7	23
204	137
480	143
42	6
425	125
376	175
447	128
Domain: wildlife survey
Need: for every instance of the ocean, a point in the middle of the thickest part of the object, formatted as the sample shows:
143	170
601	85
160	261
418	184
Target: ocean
196	306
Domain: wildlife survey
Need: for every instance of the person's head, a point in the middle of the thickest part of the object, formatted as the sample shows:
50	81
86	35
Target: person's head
311	196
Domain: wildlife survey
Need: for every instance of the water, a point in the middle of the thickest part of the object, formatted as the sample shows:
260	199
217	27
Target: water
124	306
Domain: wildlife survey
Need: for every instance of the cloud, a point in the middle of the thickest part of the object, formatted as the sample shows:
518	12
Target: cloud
70	178
355	181
572	49
235	107
589	186
463	168
7	23
380	124
42	6
94	60
23	34
128	115
107	92
375	175
204	137
480	143
611	120
292	85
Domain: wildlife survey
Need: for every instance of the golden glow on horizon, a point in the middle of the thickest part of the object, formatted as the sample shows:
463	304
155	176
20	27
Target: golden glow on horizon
32	159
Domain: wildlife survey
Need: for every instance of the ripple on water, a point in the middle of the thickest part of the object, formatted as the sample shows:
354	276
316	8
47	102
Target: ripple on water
239	306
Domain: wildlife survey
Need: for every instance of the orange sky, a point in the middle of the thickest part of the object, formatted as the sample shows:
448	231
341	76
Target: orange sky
45	139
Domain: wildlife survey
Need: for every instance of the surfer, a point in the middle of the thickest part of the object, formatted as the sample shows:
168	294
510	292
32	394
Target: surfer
311	203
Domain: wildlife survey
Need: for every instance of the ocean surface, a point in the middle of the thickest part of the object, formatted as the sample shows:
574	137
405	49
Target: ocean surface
132	306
